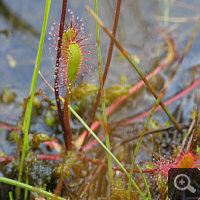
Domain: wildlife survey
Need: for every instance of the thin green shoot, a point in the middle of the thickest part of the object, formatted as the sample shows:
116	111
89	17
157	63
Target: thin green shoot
27	182
27	117
166	12
29	187
138	144
10	195
145	182
105	124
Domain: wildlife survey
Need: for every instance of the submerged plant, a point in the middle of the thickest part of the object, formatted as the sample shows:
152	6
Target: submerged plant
74	63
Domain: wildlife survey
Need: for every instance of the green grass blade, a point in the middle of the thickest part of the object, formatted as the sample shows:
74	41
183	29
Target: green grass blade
166	12
27	117
29	187
10	195
145	182
103	97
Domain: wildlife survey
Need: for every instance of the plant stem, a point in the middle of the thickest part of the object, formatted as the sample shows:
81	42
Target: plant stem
56	80
109	54
29	187
68	137
27	117
145	182
10	196
105	124
166	12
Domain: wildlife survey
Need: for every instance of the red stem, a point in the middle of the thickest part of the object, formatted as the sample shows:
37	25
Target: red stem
67	122
56	80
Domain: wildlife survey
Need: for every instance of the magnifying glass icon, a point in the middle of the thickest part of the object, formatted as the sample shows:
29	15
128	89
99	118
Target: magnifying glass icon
182	182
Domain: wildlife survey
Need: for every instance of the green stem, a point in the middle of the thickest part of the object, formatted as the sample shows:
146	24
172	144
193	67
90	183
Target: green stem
166	12
27	117
145	182
29	187
10	196
139	142
105	124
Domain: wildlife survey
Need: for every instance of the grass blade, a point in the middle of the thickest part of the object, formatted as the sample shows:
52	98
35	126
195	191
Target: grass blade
27	117
145	182
105	124
29	187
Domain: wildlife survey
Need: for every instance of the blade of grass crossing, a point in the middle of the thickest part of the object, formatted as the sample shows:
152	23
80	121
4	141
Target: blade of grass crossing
27	117
105	124
29	187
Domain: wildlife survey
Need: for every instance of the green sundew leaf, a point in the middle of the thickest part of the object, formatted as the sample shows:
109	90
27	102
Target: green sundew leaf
73	62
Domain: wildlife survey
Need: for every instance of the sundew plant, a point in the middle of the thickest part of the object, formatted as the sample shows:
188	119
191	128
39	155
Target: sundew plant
114	137
73	62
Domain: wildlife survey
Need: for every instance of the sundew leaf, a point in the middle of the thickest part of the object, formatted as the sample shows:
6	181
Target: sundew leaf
74	61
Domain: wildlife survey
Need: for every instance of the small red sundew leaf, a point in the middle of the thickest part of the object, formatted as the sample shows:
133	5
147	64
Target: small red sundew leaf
74	61
163	164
